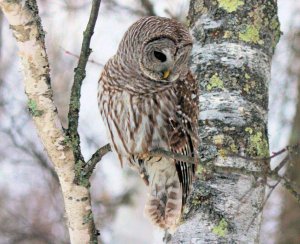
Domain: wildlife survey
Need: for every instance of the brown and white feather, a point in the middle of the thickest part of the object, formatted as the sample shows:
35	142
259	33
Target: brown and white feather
142	114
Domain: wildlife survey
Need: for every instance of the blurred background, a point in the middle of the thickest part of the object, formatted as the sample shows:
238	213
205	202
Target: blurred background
31	209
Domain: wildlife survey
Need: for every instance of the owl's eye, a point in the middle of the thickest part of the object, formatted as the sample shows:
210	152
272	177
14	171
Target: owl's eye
160	56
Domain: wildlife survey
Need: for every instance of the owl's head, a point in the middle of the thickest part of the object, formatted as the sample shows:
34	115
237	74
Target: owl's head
159	48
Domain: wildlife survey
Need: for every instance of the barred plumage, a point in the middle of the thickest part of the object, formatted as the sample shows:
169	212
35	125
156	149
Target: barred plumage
148	99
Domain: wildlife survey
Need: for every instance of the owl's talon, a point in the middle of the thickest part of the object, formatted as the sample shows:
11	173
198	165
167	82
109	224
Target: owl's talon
143	156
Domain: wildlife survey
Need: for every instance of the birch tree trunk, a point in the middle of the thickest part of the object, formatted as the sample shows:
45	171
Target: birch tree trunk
27	29
234	44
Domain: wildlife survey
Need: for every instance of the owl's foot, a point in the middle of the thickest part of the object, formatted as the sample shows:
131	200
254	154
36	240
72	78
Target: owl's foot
144	156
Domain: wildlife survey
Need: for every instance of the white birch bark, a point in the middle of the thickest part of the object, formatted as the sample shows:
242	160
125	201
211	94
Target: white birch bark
26	26
234	43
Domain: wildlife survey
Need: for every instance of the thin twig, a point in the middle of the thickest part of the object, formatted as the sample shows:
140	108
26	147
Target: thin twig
275	154
272	188
289	148
77	56
281	164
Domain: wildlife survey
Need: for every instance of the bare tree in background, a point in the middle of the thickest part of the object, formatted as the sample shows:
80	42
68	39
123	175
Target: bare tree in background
289	231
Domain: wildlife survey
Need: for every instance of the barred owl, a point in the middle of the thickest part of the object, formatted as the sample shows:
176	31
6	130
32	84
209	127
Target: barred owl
148	99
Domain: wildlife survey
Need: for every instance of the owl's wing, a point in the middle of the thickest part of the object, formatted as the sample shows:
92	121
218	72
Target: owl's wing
184	138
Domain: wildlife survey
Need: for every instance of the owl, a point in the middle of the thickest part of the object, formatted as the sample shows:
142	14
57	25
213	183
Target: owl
148	100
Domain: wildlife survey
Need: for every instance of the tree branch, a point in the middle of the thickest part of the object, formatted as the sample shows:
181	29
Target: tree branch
290	188
74	108
272	174
96	157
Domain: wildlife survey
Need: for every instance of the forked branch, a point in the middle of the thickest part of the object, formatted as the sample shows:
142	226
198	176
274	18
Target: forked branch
80	73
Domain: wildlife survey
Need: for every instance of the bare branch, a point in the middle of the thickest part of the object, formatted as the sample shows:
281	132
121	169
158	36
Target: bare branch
272	188
274	154
290	188
77	56
272	174
79	76
96	157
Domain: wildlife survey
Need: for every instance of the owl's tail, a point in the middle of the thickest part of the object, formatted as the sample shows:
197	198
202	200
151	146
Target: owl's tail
164	203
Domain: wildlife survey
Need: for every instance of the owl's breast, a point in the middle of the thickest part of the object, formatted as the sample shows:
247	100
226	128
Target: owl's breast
137	124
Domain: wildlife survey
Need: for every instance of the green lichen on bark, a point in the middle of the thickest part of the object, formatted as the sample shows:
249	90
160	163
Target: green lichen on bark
81	178
258	144
200	170
33	109
246	88
215	82
253	22
256	21
221	229
225	145
230	5
218	139
250	34
87	218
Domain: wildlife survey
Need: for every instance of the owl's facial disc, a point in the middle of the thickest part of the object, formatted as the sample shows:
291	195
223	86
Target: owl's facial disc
158	59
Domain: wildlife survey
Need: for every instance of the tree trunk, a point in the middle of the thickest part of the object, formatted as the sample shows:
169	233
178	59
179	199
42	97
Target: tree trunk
289	231
234	44
27	29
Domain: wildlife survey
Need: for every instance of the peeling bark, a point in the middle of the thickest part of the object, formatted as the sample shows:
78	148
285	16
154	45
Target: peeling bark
234	44
27	29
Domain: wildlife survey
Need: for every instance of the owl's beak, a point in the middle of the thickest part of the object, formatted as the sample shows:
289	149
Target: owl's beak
166	74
